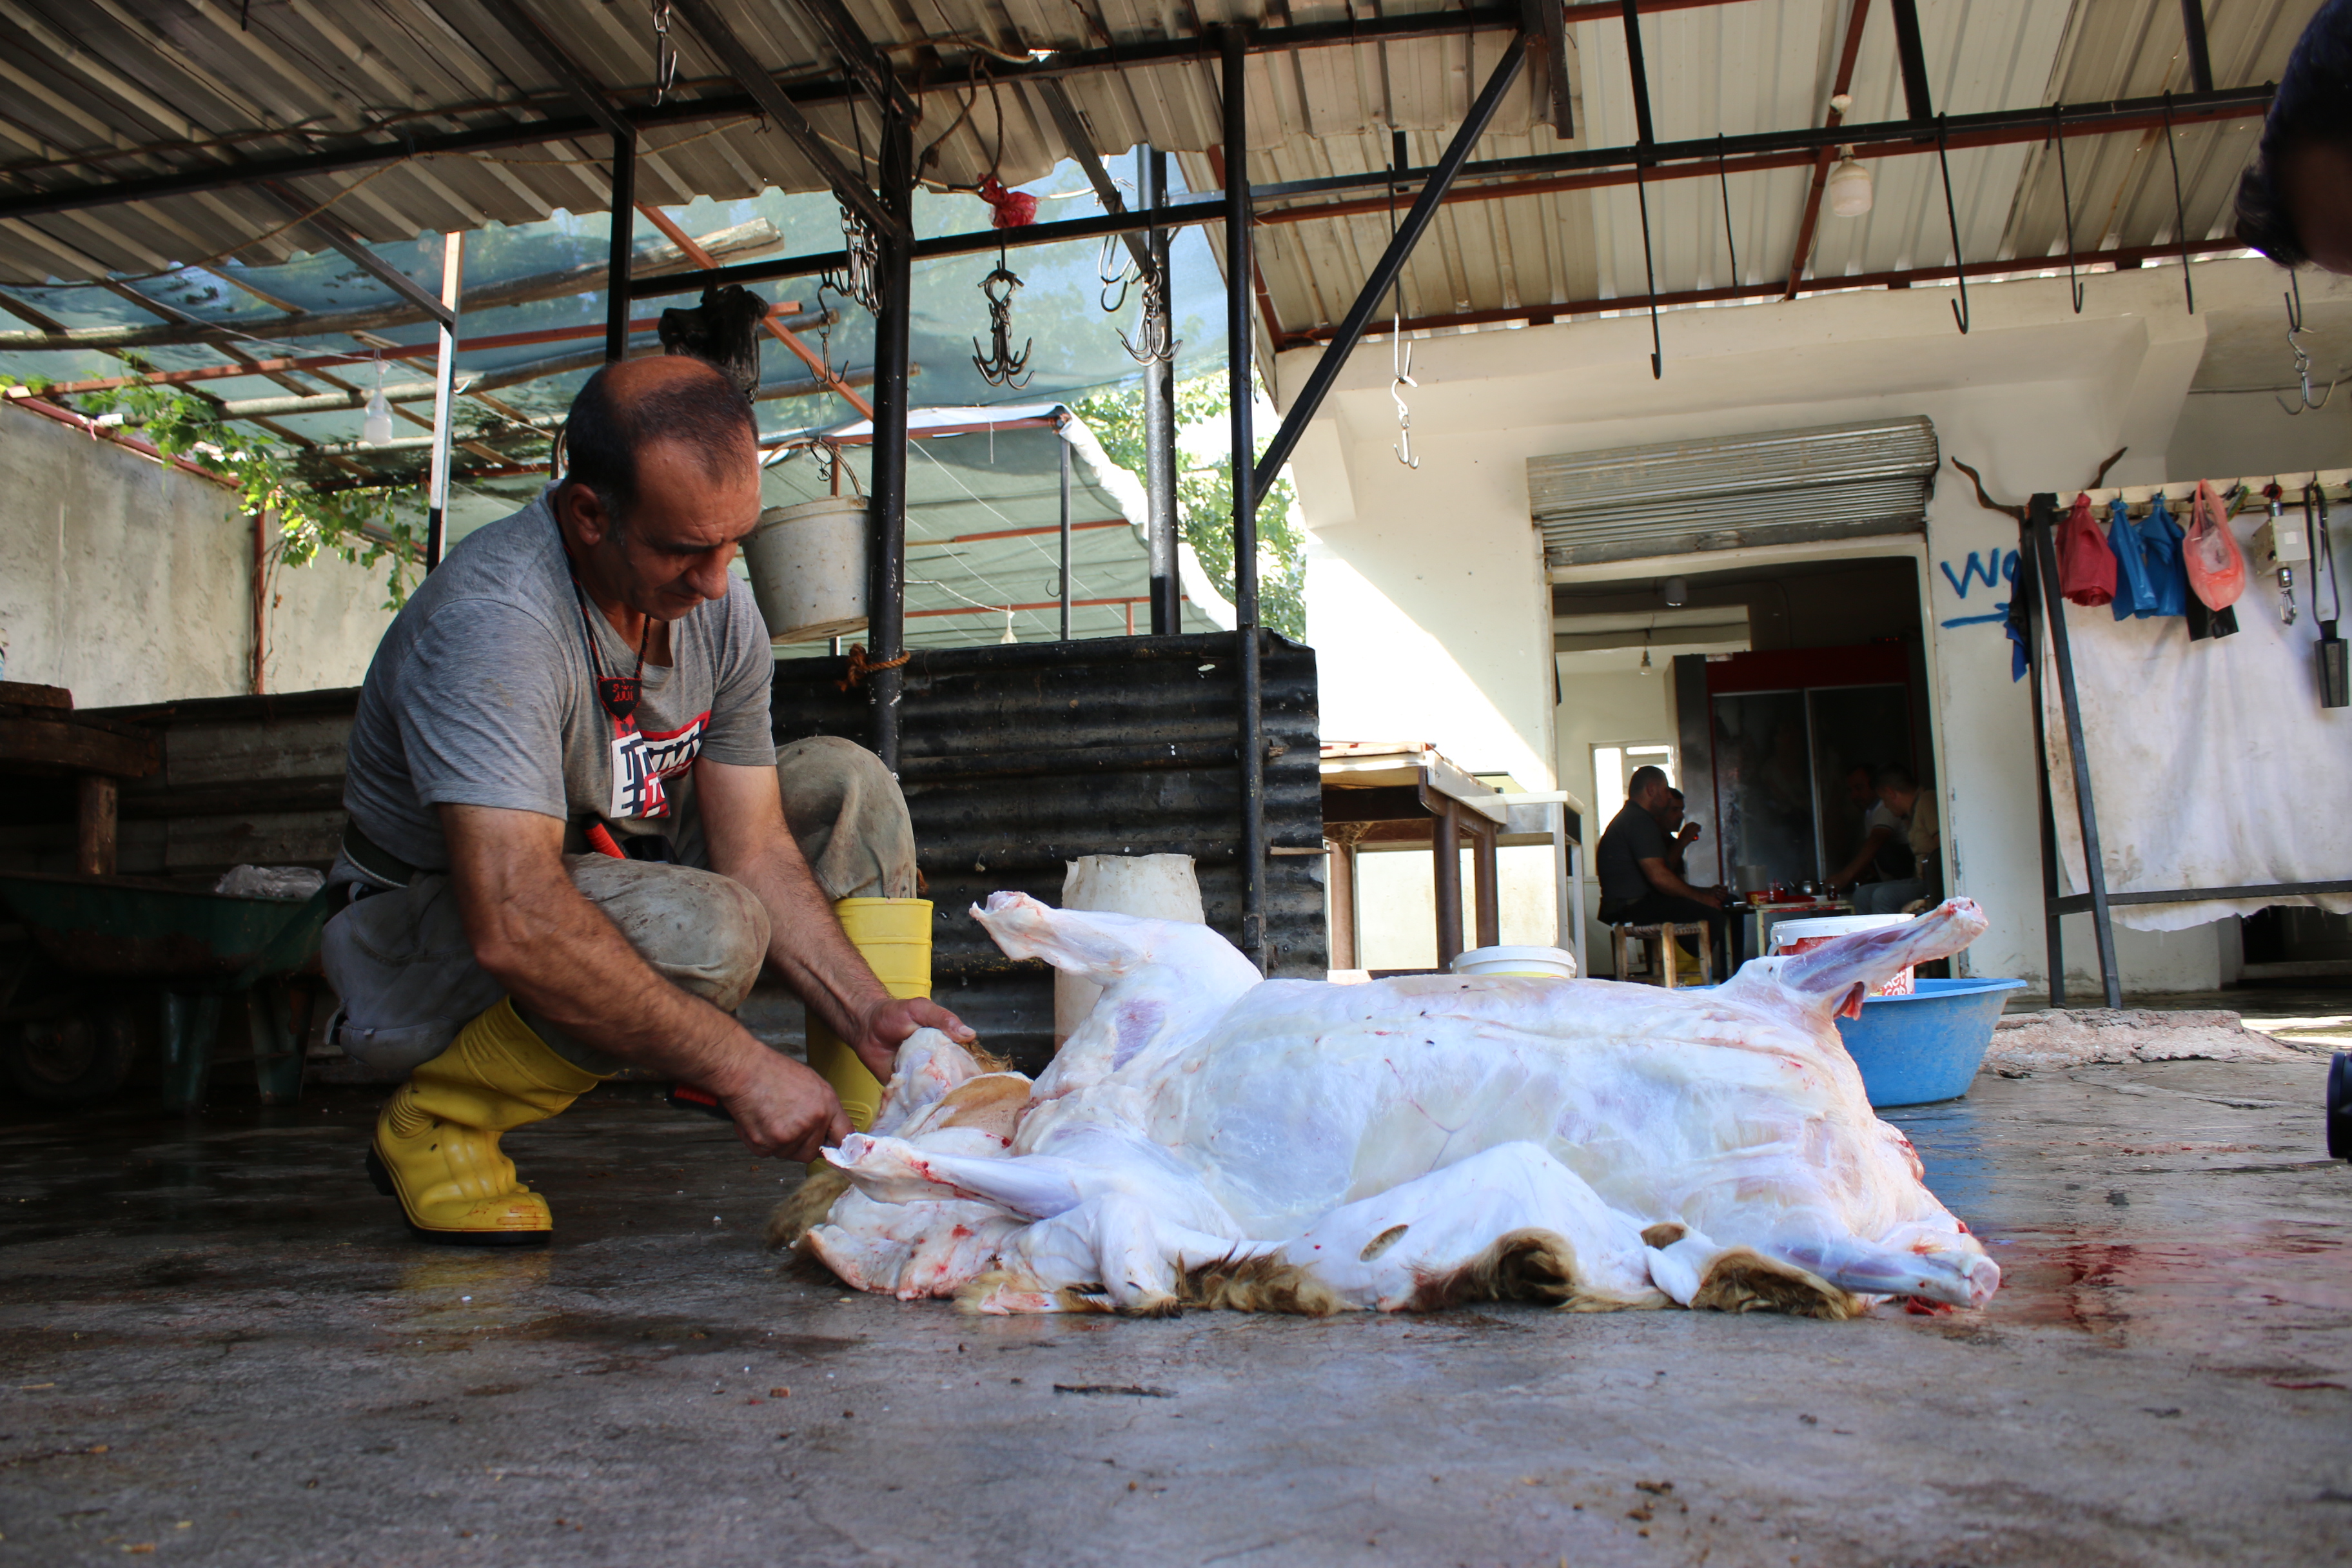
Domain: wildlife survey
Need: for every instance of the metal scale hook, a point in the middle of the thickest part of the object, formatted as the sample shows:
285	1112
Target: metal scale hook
2295	329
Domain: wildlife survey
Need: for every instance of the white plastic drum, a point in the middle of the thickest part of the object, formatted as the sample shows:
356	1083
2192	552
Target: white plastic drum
1550	963
808	568
1791	937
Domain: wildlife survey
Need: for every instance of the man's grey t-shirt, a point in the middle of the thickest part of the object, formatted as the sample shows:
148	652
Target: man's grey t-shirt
1631	836
480	694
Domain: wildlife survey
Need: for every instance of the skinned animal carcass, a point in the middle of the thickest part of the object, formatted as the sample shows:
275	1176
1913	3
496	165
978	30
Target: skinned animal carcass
1210	1137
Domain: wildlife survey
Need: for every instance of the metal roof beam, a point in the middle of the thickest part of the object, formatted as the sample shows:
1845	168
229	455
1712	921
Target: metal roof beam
1545	22
1911	55
692	111
1303	407
1080	145
2201	56
866	65
1666	160
356	249
711	27
525	29
2124	258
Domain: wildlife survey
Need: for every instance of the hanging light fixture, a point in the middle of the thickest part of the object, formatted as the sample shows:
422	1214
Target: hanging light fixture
1646	668
1849	186
375	430
1008	636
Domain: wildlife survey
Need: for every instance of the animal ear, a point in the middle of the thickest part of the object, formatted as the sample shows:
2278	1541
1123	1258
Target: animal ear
1852	1006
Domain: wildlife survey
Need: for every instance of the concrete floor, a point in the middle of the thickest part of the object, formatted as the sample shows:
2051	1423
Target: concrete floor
215	1345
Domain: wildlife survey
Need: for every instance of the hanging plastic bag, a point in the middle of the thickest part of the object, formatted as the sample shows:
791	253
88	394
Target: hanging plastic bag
2160	537
2087	567
2134	589
2217	567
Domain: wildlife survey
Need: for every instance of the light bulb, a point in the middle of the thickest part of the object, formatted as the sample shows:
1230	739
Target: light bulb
375	430
1849	187
1008	636
1646	661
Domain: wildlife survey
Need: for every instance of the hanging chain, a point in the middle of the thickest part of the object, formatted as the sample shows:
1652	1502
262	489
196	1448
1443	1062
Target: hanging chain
665	53
861	271
1001	367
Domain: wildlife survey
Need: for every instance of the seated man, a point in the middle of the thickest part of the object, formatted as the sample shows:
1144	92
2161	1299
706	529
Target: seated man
1910	851
577	695
1635	862
2294	200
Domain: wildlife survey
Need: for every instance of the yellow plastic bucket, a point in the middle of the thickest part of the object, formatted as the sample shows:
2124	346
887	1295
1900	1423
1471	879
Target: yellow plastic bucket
894	936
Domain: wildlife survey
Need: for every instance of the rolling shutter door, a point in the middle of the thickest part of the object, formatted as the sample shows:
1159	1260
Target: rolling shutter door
1832	482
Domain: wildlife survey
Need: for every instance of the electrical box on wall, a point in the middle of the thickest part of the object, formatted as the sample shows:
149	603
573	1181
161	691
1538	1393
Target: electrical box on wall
2281	542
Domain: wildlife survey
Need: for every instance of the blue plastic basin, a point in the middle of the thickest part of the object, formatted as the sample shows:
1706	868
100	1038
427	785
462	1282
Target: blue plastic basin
1926	1046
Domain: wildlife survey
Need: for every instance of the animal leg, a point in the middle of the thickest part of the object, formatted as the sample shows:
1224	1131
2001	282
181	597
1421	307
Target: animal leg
1509	1221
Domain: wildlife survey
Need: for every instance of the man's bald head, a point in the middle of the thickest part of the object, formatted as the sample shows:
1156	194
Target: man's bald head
630	407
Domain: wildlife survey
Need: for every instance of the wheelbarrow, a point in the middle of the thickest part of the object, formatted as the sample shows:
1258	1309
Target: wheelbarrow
200	948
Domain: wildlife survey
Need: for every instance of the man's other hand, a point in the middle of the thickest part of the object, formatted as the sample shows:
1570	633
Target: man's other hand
1689	835
889	1023
782	1109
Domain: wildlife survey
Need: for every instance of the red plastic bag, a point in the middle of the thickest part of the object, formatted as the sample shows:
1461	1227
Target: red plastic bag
2086	562
2217	567
1013	209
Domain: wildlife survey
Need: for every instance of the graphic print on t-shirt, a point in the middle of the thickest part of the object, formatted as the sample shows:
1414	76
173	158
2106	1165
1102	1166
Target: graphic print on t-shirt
642	759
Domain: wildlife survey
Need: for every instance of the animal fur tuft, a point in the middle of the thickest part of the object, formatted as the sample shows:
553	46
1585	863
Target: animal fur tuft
807	1205
1663	1234
1523	1266
1256	1285
1744	1280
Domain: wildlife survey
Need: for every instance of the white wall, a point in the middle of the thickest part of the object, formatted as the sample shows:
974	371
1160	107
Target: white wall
125	580
1420	582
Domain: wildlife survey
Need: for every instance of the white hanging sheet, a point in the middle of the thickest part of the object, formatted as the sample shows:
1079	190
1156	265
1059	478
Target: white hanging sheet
2212	763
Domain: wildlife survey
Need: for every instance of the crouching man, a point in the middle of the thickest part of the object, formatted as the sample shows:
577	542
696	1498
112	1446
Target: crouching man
573	842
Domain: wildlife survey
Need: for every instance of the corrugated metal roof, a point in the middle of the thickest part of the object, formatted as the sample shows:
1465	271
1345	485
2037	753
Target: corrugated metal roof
134	87
140	81
1770	65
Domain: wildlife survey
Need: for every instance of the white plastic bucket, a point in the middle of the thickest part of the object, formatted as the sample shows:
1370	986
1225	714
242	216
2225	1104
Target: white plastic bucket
1154	887
1548	963
808	568
1792	937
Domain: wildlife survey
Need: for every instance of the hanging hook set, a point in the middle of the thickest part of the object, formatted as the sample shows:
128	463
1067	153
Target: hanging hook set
1001	366
1400	346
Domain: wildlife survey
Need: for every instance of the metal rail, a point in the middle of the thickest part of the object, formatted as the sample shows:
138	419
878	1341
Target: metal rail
1666	160
1240	387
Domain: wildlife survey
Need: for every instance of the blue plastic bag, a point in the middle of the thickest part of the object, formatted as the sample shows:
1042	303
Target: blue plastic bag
2161	537
2135	589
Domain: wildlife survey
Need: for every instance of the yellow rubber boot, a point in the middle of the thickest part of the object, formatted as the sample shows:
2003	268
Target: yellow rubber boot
894	936
436	1139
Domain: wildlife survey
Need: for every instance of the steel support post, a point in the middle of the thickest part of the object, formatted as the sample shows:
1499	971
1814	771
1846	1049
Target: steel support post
623	248
1160	417
886	488
1239	345
2041	513
1911	59
1061	449
445	398
1360	315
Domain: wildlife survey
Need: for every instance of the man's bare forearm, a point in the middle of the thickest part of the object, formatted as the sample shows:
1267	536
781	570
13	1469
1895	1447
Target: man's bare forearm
806	945
557	954
1664	880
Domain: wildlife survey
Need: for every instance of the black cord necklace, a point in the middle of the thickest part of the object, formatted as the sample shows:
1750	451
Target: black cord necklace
618	694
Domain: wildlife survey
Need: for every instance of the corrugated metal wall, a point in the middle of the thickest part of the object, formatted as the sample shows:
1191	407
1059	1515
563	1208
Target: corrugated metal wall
1019	757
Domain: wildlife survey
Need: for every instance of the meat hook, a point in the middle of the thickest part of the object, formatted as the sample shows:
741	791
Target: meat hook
2295	330
2065	201
1001	366
1952	217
